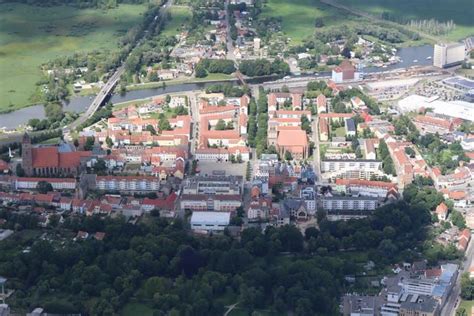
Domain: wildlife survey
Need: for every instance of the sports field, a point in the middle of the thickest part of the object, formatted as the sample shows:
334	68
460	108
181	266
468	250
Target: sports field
179	16
460	11
31	36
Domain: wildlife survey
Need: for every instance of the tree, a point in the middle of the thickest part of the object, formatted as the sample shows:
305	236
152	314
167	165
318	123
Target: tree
457	219
346	52
20	172
151	129
288	156
200	71
220	126
109	142
318	22
306	124
164	124
44	187
89	143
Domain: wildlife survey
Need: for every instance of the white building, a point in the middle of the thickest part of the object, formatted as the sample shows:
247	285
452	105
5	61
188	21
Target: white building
457	109
210	221
56	183
345	203
447	55
127	183
203	202
351	168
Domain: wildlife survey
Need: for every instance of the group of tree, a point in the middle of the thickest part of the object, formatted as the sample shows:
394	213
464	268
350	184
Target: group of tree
206	66
263	67
228	89
387	162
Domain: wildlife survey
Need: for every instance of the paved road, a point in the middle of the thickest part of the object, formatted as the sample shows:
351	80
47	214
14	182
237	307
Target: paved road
451	303
230	43
316	152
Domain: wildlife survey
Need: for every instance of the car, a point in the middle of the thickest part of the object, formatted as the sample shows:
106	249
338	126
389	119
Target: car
286	77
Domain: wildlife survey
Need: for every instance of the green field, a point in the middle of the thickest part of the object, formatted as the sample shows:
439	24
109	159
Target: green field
297	17
467	305
179	16
31	36
460	11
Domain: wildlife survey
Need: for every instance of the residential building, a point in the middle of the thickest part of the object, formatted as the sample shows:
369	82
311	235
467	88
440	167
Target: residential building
351	168
448	55
350	127
345	71
127	183
293	141
211	202
344	203
442	211
56	183
358	187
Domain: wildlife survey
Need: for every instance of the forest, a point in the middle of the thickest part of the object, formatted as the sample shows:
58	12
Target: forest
159	263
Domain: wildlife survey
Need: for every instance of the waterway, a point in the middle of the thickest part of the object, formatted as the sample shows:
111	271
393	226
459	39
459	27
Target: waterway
410	56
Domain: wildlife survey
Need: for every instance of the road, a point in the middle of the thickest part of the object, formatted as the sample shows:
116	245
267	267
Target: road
98	100
451	305
371	17
316	152
230	43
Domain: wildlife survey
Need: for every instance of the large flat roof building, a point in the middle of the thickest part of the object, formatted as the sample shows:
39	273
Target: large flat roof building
457	109
447	55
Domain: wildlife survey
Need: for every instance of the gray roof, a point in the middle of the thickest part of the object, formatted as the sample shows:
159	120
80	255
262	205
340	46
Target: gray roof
350	124
421	303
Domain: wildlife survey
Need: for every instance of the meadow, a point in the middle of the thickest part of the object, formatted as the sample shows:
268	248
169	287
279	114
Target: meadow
31	36
460	11
179	16
298	17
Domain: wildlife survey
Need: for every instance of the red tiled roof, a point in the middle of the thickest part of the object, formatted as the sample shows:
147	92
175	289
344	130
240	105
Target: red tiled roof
292	138
366	183
441	208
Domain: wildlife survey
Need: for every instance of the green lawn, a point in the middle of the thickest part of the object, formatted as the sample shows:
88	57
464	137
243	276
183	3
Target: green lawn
179	16
467	305
460	11
133	309
340	132
31	36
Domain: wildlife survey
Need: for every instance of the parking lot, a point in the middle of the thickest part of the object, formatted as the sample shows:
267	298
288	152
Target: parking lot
234	169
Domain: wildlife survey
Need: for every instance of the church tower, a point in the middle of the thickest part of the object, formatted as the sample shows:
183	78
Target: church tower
27	155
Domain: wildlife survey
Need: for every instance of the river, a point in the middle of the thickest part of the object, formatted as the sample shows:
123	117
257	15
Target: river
79	104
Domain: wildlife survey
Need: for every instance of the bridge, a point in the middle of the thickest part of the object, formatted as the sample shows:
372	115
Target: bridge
99	99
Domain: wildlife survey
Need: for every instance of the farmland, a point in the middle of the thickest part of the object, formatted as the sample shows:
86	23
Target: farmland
31	36
460	11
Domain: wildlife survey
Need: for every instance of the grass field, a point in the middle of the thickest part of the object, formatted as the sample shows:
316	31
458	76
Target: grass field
297	16
460	11
30	36
179	16
467	305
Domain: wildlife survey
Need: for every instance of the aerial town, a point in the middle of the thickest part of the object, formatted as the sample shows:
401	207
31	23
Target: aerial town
246	160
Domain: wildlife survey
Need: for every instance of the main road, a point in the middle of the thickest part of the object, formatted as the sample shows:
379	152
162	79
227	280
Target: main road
449	308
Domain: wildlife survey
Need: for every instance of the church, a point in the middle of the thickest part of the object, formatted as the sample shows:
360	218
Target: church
51	161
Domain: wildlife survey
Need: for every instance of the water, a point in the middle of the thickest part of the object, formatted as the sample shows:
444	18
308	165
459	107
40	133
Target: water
80	104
